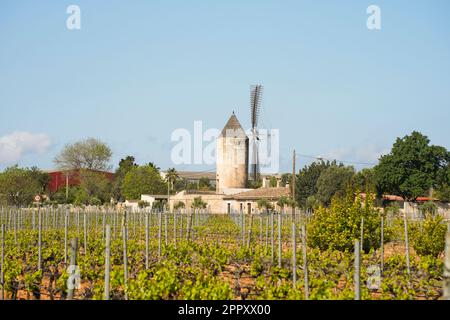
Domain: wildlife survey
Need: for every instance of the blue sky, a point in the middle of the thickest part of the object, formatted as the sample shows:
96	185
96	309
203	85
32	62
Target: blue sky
138	70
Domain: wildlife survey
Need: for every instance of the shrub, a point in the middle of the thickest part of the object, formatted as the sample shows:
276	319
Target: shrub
143	204
339	225
428	239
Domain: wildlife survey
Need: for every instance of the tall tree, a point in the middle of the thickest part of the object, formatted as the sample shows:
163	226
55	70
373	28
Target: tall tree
306	184
96	185
412	167
20	185
89	154
333	181
41	178
365	180
172	176
125	165
142	180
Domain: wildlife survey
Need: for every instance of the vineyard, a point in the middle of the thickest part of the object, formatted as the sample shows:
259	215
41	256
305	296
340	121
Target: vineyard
101	253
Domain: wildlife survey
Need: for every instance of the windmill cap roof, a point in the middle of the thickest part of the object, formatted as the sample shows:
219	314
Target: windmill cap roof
233	125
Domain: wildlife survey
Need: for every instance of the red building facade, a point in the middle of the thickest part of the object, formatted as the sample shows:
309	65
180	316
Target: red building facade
60	178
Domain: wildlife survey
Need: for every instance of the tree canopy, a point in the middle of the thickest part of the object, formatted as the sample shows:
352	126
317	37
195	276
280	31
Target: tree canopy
125	165
306	183
142	180
20	185
413	167
333	181
89	154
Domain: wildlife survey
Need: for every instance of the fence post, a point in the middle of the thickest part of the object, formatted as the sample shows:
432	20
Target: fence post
159	234
294	256
447	268
125	258
305	262
382	245
39	238
243	228
166	234
146	239
2	263
356	275
260	229
181	227
250	231
107	260
73	264
85	232
272	238
189	222
362	233
267	235
66	220
279	241
405	223
175	229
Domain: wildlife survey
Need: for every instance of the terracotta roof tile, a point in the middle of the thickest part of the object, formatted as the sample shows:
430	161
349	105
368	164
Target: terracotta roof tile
268	193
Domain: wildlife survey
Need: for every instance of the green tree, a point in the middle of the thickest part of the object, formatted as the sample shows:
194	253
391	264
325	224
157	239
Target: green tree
198	203
142	180
442	190
20	185
125	165
205	184
306	183
273	182
443	193
143	204
41	178
89	154
365	180
60	195
154	166
285	179
96	185
172	176
265	204
412	167
178	205
283	202
333	181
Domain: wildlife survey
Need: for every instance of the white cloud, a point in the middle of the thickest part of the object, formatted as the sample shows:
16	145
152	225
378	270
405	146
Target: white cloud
364	154
13	146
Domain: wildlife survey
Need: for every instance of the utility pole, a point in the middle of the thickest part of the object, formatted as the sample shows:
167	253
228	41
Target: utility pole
293	176
293	184
67	185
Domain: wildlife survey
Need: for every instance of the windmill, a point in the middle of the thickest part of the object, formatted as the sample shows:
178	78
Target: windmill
255	102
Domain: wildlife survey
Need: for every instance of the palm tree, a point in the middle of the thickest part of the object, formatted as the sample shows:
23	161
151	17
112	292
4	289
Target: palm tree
172	176
285	201
179	205
264	203
282	202
198	203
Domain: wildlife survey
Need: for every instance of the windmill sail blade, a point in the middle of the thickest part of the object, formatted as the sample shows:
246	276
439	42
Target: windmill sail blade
255	102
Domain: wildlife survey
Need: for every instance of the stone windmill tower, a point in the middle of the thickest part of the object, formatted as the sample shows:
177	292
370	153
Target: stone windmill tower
232	156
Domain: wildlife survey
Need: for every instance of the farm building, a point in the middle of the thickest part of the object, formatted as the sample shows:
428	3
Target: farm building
69	178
